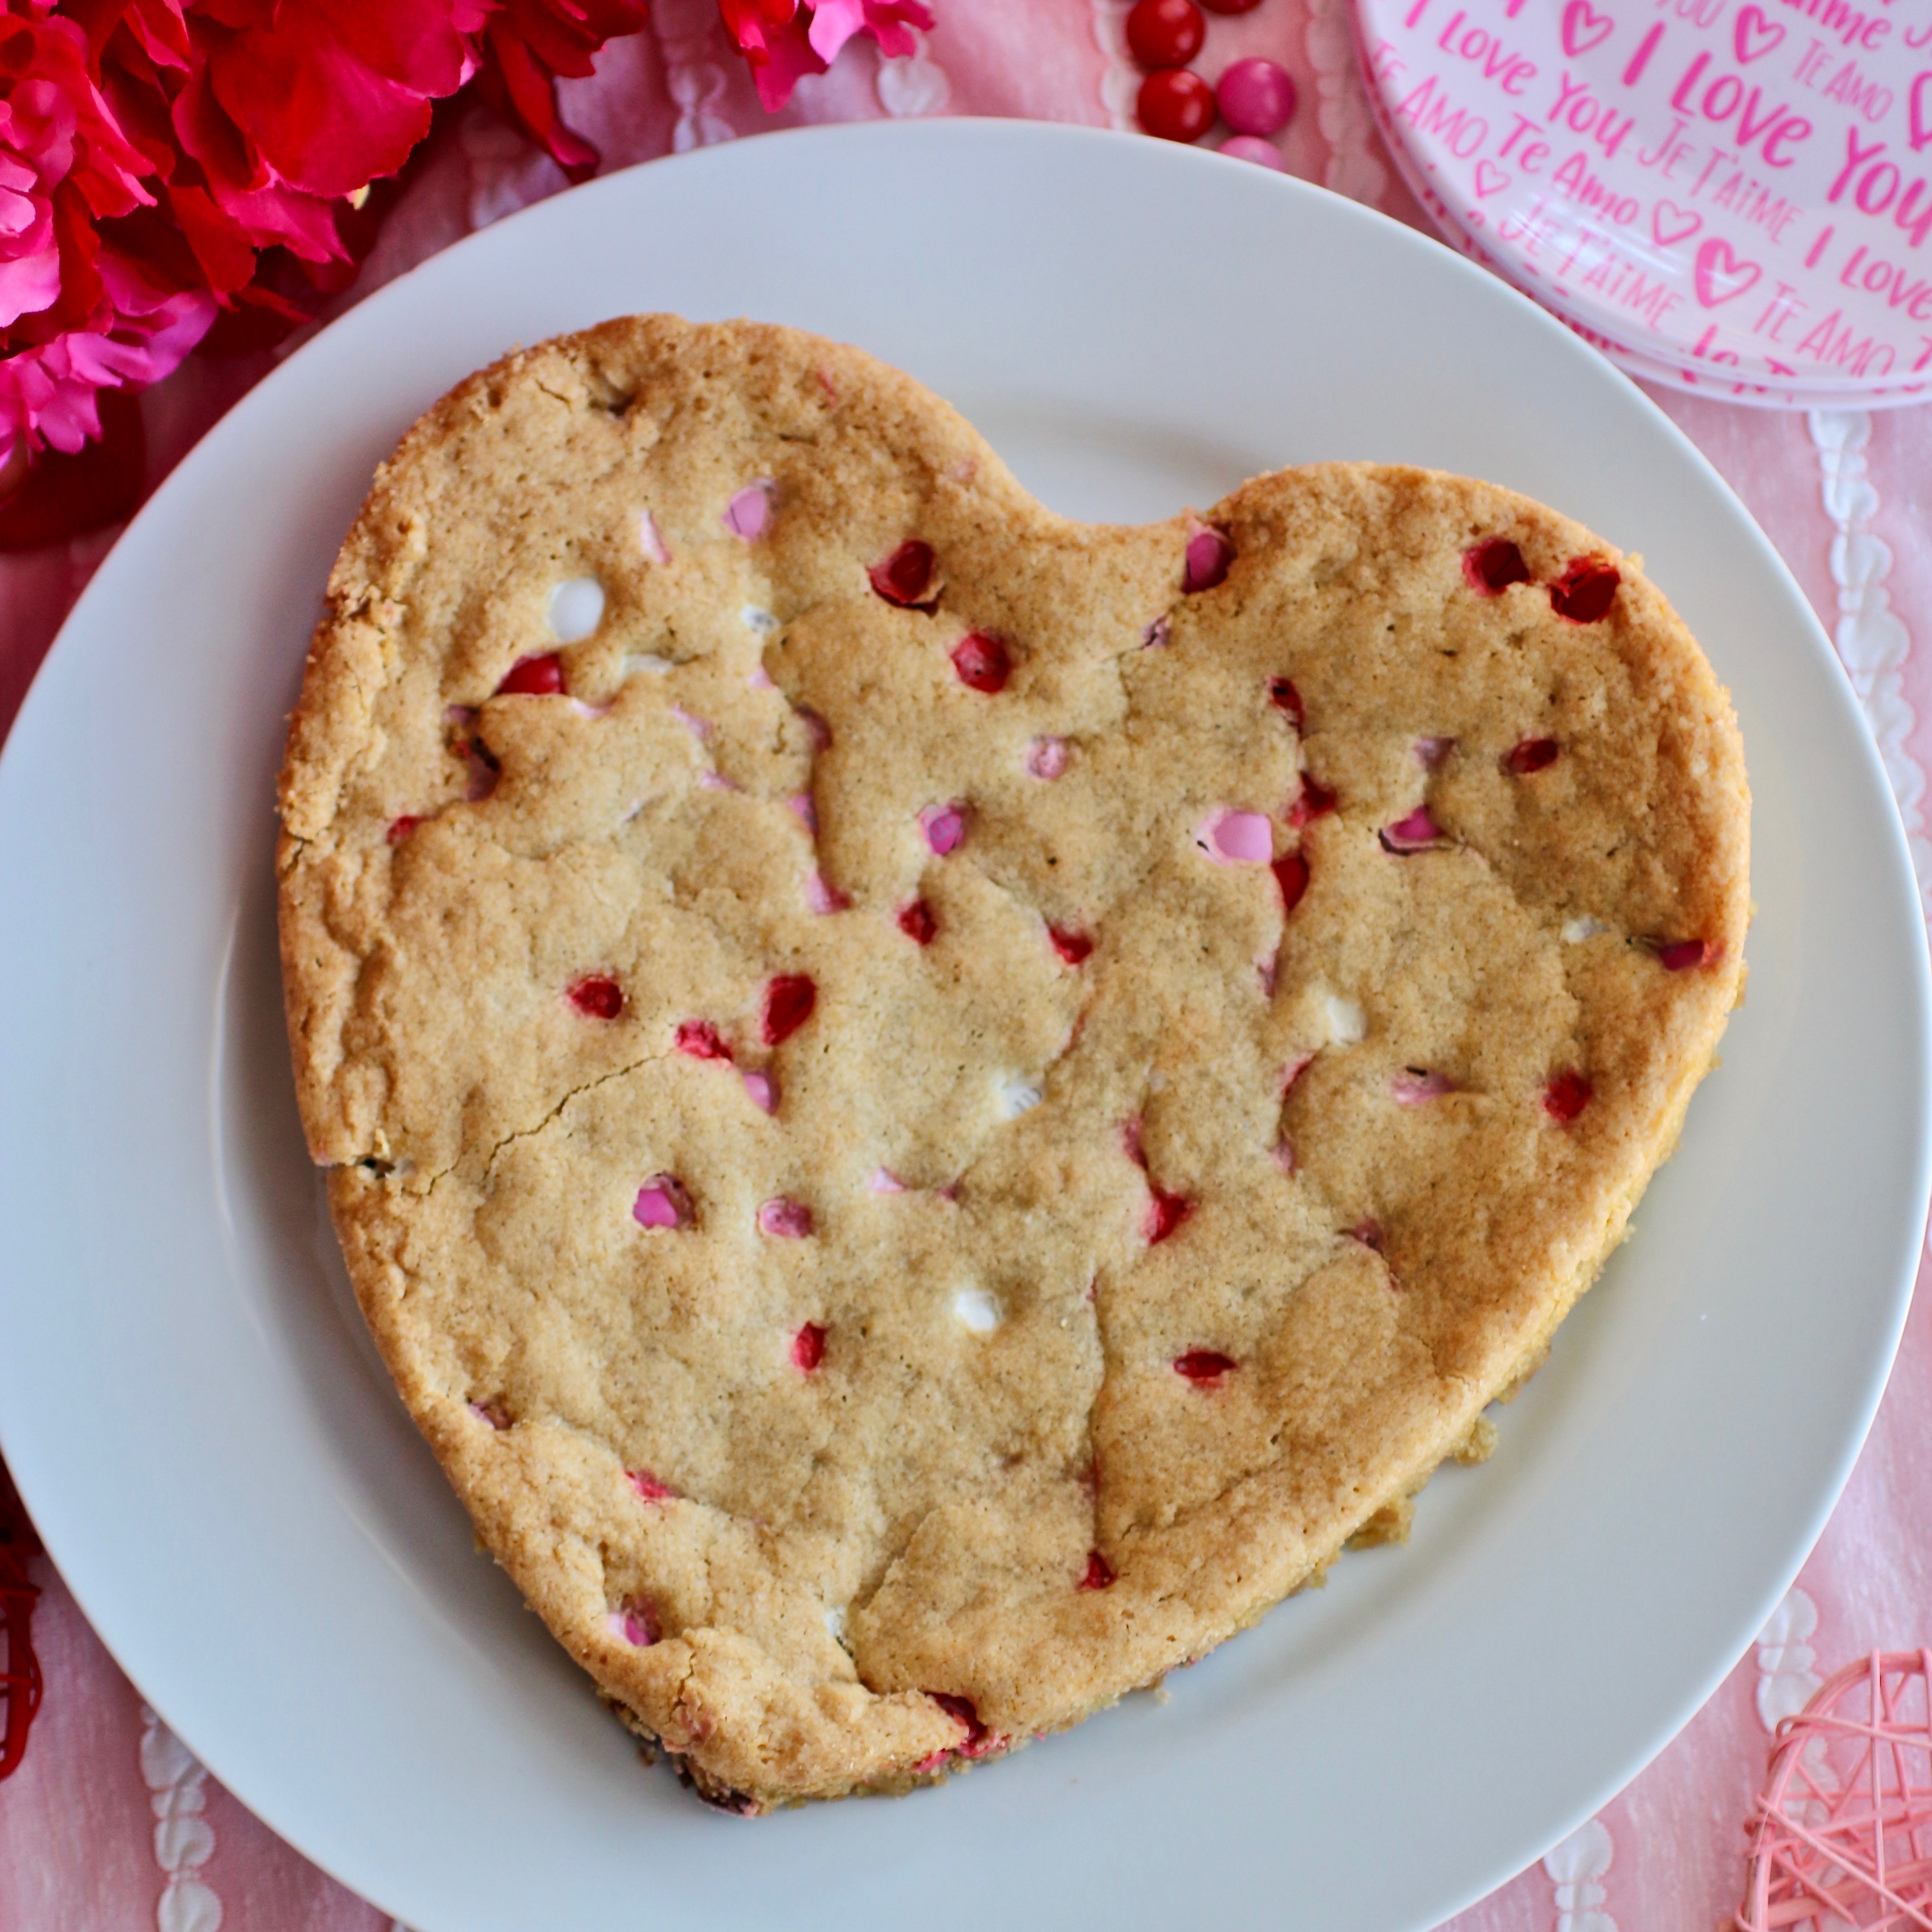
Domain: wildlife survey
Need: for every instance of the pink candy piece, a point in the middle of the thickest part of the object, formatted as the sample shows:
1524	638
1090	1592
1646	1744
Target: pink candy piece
661	1202
1239	838
1283	1156
716	782
808	812
821	731
491	1412
1209	554
884	1181
699	728
634	1623
764	1090
1686	956
1429	752
808	1347
1251	148
1414	1088
1255	96
1157	634
652	543
648	1486
1368	1233
1293	1071
761	679
750	510
790	1220
823	899
1046	758
944	826
1415	833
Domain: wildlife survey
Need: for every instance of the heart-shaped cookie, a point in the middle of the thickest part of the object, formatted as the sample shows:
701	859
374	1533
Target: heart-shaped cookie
931	1106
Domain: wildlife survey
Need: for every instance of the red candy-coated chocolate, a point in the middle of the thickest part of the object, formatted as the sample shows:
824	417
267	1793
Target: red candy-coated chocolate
534	677
1203	1365
1312	802
1684	956
1231	6
400	828
1566	1097
1176	104
979	1739
1072	946
1584	591
1100	1573
701	1040
1291	873
1491	568
1283	696
904	577
598	997
983	663
1165	33
919	922
1533	755
808	1347
1165	1212
789	1000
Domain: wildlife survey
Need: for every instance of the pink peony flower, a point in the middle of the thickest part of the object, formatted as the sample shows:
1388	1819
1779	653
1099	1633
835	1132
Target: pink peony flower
785	39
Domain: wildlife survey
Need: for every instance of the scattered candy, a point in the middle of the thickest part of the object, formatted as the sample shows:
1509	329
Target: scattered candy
1203	1365
1583	593
983	663
1491	568
634	1623
1165	33
807	1346
534	677
598	997
944	826
1566	1097
1238	838
750	511
1176	104
661	1202
787	1220
1533	755
1416	833
1255	96
789	1000
904	577
1209	554
764	1090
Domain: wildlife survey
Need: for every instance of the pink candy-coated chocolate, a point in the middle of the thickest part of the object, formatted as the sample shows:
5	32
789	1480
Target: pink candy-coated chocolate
661	1202
884	1181
1430	752
944	826
1046	758
1416	833
1239	838
1255	96
1293	1071
1131	1141
760	679
1165	1212
1252	148
1204	1366
1414	1087
716	782
788	1220
808	812
764	1090
1283	1155
823	898
701	1040
699	728
1157	634
808	1347
648	1486
494	1413
750	511
1369	1232
634	1622
597	997
649	539
1209	554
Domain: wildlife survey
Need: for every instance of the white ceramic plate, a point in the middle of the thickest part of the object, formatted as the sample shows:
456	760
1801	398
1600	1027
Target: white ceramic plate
209	1446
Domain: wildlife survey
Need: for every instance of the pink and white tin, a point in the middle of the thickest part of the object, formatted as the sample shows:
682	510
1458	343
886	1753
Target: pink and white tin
1737	197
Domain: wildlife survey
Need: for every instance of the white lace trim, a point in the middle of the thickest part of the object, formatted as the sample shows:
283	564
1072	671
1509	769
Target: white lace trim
1342	112
912	85
1574	1867
184	1840
688	31
1871	637
1120	85
1786	1682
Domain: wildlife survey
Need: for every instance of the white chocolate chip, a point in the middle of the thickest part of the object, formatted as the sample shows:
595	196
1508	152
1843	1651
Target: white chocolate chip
576	608
1016	1096
976	1311
1576	931
754	619
647	661
1348	1025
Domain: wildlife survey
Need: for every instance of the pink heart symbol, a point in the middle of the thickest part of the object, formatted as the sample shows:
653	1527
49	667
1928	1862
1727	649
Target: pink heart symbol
1584	29
1716	262
1755	35
1489	179
1921	122
1672	224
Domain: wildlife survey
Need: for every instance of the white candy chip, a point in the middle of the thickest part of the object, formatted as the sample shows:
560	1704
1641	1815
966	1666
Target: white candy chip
1348	1025
1576	931
835	1620
1017	1096
647	661
576	608
976	1311
762	622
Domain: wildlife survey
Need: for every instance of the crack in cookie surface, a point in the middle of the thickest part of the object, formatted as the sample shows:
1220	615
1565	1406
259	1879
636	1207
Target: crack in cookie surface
956	1113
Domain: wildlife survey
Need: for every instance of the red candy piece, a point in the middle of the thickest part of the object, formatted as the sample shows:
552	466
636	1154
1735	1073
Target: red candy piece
1165	1212
1368	1233
648	1486
784	1220
1283	696
400	828
534	677
917	923
904	577
1231	6
979	1739
1176	104
1533	755
1203	1365
1291	873
1072	947
1209	554
808	1347
1566	1097
1491	567
1313	800
983	663
1684	956
1583	593
701	1039
789	1000
1100	1573
1165	33
598	997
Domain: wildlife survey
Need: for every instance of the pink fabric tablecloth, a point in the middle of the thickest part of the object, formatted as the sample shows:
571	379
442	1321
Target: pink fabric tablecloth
110	1823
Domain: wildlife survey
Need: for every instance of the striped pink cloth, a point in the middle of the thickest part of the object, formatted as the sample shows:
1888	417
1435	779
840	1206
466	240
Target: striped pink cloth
110	1823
